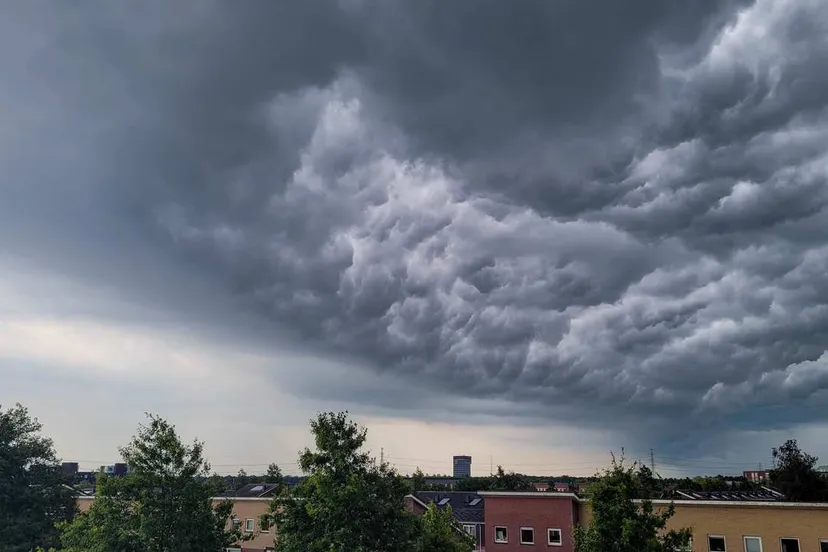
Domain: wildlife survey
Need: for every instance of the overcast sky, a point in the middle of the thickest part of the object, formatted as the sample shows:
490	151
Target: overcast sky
533	232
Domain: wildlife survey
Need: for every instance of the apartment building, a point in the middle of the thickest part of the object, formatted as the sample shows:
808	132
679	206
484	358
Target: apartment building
466	507
247	516
720	522
520	521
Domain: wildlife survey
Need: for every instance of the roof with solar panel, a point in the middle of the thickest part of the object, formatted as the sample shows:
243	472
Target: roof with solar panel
758	495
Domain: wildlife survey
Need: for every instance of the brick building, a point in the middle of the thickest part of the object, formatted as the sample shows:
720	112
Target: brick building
466	507
530	520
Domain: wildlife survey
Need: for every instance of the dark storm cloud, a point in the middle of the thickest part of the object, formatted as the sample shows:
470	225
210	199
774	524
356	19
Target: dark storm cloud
552	203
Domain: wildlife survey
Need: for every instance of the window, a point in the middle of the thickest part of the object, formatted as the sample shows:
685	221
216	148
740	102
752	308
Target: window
753	544
236	523
823	545
789	545
553	537
501	534
527	535
716	543
264	523
470	529
232	549
249	525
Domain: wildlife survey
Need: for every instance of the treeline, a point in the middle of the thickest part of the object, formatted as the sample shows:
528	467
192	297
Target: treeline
347	500
795	476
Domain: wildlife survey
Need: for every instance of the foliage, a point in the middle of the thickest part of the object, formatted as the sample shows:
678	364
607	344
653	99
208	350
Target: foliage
32	495
440	532
619	524
274	475
348	503
795	474
161	505
418	480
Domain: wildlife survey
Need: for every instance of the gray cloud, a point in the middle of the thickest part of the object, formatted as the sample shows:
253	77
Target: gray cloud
556	204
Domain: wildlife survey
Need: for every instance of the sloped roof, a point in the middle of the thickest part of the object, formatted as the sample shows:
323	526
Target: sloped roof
466	507
253	490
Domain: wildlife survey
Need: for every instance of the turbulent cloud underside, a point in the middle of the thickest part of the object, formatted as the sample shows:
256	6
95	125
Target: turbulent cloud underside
556	204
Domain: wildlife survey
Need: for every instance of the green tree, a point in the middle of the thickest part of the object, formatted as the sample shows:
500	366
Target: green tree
348	502
441	533
273	475
33	497
510	481
620	524
418	482
161	505
795	474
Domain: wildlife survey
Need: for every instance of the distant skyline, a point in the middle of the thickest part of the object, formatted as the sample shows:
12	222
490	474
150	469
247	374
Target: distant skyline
540	231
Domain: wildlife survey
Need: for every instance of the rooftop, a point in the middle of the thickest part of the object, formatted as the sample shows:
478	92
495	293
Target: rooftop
764	495
253	490
466	507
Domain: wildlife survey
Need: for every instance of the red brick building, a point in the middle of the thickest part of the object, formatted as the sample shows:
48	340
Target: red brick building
527	521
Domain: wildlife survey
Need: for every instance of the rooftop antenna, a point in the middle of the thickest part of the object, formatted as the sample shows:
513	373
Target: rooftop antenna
652	461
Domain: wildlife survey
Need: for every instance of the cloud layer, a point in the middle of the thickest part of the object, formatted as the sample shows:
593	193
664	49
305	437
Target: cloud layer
556	204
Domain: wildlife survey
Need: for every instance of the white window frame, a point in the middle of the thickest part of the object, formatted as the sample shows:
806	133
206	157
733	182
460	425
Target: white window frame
269	525
753	537
505	538
821	542
549	536
470	529
235	523
249	525
233	549
724	540
798	544
527	528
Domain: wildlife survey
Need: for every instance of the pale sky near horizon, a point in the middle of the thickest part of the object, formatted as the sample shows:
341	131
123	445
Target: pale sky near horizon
530	233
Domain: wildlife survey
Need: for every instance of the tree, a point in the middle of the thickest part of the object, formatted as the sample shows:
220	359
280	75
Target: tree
161	505
348	502
418	482
440	532
274	475
33	497
619	524
510	481
795	474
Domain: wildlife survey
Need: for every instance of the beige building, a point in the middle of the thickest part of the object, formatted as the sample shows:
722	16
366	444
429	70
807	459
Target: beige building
247	513
742	526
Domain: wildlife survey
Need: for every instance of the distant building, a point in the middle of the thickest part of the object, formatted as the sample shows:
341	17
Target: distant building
70	469
462	466
115	470
756	476
445	482
541	487
563	487
823	469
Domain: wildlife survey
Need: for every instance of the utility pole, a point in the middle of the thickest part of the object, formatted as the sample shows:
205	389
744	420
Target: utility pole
652	461
382	456
491	465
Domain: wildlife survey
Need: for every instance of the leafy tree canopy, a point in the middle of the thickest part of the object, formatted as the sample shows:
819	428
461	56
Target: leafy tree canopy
348	503
440	532
795	474
32	495
161	505
619	523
